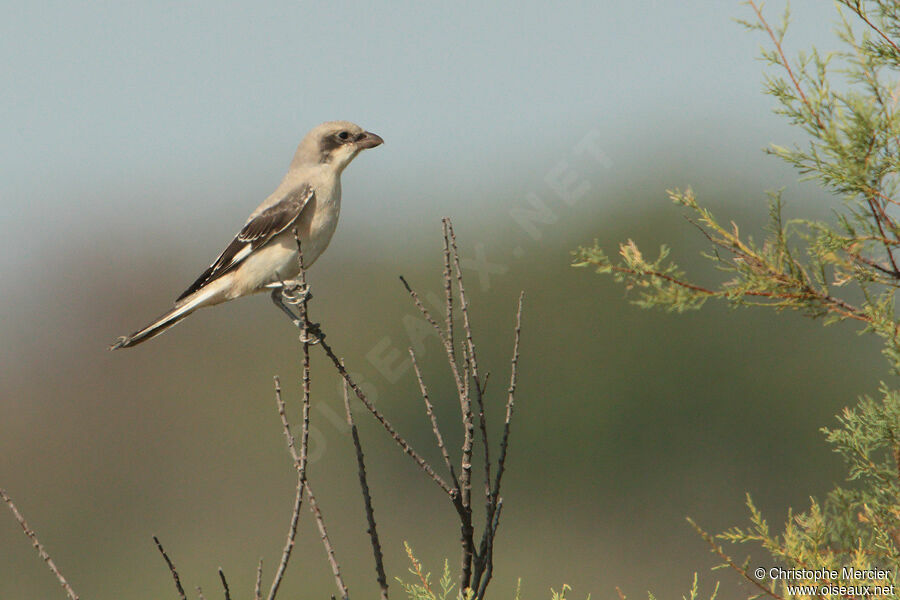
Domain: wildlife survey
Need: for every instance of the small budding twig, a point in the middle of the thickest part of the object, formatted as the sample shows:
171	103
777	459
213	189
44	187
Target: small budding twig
38	546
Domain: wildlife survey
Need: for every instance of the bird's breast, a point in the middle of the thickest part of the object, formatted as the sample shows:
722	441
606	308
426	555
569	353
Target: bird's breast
318	221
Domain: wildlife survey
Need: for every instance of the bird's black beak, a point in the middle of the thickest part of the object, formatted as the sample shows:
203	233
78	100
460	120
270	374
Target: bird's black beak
369	140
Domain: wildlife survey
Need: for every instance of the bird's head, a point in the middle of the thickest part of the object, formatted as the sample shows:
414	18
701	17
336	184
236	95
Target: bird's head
335	144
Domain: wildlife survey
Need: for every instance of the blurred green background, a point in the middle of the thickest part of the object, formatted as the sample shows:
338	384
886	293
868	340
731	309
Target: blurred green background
136	138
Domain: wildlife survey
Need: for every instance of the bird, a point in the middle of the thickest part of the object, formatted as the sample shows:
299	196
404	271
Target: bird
263	255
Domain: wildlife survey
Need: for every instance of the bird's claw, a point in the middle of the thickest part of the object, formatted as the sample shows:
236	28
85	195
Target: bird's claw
311	334
295	292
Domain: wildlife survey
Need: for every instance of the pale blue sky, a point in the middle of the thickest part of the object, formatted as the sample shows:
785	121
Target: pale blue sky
143	115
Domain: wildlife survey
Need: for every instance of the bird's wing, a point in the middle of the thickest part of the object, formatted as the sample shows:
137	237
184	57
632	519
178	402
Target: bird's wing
255	234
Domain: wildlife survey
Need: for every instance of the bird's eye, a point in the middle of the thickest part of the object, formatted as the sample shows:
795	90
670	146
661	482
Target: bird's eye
344	135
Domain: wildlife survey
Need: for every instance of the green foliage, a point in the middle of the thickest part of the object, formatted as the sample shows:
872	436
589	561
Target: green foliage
693	594
846	103
423	589
561	594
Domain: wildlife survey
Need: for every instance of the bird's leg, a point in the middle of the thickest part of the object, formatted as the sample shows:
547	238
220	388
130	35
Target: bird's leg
279	302
295	293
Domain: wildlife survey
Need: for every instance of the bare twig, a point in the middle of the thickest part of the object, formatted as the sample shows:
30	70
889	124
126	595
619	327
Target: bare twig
488	552
463	302
446	340
472	362
471	367
257	589
434	424
38	546
510	400
484	567
448	290
300	461
482	425
367	498
172	569
404	445
329	549
224	584
477	563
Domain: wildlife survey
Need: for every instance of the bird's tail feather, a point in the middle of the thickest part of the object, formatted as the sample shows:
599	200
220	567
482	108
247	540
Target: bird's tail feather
164	322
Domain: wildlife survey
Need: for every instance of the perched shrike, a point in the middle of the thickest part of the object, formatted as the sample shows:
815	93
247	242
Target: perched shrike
264	253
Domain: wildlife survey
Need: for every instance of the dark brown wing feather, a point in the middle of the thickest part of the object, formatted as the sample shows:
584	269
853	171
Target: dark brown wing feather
255	234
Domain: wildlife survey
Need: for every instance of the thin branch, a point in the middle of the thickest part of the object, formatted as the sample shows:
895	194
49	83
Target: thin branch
257	589
172	569
858	11
488	553
510	400
463	301
495	503
462	387
448	290
446	340
740	570
367	498
419	571
786	64
300	461
38	546
879	215
871	263
472	362
434	424
831	303
404	445
467	533
224	584
482	425
329	550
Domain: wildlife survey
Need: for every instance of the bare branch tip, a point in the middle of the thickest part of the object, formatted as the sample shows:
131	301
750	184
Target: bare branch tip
224	584
172	569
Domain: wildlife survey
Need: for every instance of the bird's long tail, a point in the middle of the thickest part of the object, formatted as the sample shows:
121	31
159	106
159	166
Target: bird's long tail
164	322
